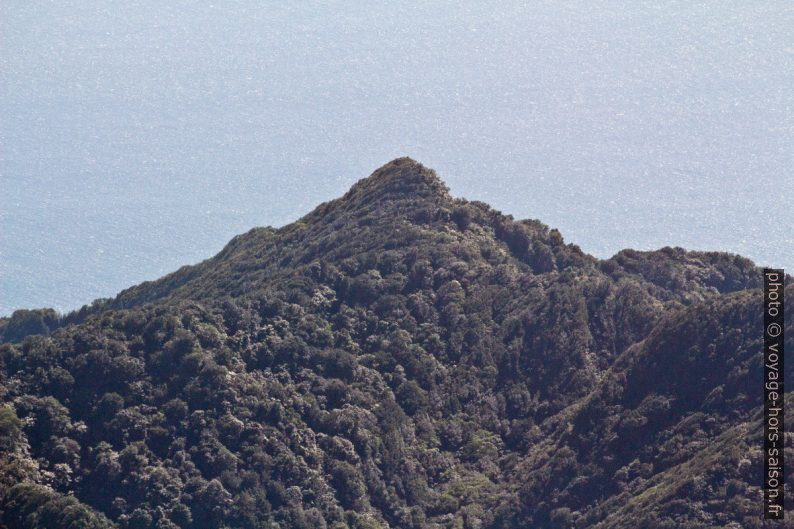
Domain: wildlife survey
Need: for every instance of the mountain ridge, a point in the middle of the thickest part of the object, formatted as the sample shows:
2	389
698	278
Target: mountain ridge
405	180
398	358
400	180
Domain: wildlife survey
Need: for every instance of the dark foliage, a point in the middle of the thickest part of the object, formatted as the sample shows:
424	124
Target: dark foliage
396	358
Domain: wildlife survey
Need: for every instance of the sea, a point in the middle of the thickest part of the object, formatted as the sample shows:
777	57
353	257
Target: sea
139	136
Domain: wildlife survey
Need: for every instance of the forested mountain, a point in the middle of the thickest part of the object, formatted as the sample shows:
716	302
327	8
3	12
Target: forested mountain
396	358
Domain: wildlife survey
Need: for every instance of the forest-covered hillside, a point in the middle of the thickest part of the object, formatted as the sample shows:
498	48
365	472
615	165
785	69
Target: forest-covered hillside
397	358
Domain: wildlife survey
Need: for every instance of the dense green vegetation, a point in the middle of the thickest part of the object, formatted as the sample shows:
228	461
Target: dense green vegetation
396	358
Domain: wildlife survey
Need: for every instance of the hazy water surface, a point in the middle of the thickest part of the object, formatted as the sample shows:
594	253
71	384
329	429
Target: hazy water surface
139	136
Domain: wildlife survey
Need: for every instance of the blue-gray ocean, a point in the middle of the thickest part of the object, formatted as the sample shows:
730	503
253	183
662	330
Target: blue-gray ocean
139	136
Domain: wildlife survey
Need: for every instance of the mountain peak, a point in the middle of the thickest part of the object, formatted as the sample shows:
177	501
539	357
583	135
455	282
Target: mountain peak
400	178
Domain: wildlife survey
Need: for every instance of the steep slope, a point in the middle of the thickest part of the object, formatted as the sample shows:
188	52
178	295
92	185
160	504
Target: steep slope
398	358
375	209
